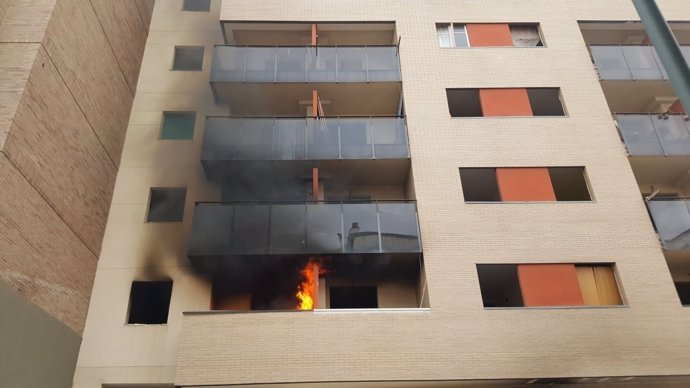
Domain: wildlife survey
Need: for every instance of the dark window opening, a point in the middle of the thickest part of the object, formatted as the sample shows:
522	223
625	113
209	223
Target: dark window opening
353	298
149	302
545	101
166	205
683	293
479	185
542	101
499	285
197	5
464	102
188	58
569	183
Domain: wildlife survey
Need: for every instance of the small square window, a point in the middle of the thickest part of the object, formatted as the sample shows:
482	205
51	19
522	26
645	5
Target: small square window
149	302
188	58
196	5
166	204
178	126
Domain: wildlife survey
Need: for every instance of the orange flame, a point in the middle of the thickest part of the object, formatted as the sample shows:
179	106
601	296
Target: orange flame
307	288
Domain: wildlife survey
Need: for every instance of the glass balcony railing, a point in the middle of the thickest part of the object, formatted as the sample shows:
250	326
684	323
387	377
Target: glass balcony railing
672	222
630	62
655	135
306	64
304	228
229	138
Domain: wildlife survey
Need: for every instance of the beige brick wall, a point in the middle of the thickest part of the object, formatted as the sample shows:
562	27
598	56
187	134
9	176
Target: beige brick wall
457	338
68	69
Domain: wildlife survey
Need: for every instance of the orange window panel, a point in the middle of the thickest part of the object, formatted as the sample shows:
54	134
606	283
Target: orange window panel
484	35
549	285
607	287
525	184
588	285
505	102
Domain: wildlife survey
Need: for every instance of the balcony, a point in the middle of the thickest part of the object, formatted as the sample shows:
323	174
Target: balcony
654	134
633	77
237	144
306	64
672	221
659	147
222	230
630	62
260	80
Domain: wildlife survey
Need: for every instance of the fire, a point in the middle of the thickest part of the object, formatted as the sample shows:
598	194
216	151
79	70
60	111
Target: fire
307	289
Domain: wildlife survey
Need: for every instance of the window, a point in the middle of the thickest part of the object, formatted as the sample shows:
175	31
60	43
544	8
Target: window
499	285
178	126
166	204
598	285
489	35
197	5
189	58
464	102
479	184
353	298
548	285
452	35
545	101
149	302
493	102
524	184
683	292
526	35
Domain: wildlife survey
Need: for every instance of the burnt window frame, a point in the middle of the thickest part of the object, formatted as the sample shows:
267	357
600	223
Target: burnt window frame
137	286
173	66
148	205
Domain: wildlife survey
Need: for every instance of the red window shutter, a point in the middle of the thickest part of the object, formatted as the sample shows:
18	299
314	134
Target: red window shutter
549	285
525	184
493	34
505	102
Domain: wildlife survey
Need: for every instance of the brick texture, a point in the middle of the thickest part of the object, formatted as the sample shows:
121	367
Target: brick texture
68	69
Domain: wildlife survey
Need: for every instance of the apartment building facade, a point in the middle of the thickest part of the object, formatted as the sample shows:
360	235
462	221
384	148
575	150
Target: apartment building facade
392	193
68	75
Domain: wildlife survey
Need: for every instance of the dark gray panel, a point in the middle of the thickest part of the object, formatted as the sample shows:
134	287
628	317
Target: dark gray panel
36	350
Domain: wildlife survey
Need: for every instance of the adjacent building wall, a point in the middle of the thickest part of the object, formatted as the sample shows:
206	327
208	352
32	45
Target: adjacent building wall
26	330
68	72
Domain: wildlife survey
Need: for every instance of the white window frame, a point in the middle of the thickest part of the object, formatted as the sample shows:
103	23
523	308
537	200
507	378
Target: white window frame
451	30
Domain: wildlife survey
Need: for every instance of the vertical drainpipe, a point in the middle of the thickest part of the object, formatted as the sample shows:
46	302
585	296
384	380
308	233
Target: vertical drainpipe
667	47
